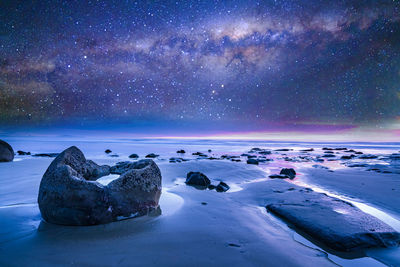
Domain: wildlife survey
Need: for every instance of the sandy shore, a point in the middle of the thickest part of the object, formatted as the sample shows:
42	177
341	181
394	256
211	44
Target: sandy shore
197	228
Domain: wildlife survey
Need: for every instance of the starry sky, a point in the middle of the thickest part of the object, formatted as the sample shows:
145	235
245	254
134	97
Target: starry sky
199	66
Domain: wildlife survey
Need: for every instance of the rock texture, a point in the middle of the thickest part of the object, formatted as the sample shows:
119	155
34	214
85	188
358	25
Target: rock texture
68	194
6	152
197	179
332	222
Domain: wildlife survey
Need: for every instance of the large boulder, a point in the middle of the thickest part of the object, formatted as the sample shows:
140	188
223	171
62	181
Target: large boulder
69	194
6	152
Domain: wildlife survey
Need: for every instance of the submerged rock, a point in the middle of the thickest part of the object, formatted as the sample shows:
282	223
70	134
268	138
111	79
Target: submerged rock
68	196
289	172
107	151
181	151
6	152
197	179
46	155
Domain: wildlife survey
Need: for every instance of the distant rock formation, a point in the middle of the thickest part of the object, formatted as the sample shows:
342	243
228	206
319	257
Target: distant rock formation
69	194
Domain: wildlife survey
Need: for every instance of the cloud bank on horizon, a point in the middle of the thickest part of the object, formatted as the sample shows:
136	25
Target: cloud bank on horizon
258	64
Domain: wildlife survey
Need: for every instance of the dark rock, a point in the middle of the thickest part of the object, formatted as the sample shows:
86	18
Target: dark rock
357	165
197	179
133	156
265	152
236	160
255	149
152	155
211	187
107	151
209	151
181	151
23	153
327	148
283	149
67	195
6	152
328	152
222	187
252	161
307	150
368	157
358	153
333	223
204	203
48	155
175	160
340	148
278	176
234	245
289	172
114	156
328	156
350	151
348	157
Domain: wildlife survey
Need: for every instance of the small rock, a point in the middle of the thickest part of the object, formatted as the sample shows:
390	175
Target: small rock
368	157
289	172
209	151
133	156
307	150
152	155
211	187
328	156
181	151
23	153
252	161
107	151
197	179
222	187
278	176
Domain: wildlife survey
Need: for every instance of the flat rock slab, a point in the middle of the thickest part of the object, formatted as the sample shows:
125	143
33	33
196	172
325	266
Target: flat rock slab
335	223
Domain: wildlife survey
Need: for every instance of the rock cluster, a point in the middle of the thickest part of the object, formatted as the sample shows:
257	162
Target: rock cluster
69	194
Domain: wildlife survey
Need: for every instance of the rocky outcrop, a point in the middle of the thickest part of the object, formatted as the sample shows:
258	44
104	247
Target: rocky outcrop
68	194
6	152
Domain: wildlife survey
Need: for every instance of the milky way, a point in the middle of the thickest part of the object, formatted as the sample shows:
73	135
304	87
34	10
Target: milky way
234	64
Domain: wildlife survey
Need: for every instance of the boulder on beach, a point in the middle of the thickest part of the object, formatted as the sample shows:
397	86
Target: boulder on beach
68	194
6	152
335	224
289	172
133	156
197	179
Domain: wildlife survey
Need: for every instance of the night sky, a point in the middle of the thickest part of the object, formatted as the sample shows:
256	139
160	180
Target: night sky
204	65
